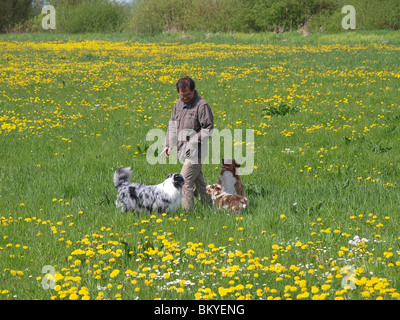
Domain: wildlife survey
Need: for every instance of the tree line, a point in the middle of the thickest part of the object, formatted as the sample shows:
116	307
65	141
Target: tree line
155	16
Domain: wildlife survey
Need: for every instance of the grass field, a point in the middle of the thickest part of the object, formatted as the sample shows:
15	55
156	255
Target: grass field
323	214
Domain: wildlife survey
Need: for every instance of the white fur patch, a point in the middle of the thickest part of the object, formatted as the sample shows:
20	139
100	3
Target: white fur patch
228	182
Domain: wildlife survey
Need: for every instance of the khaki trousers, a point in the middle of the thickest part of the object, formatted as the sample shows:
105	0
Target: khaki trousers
194	185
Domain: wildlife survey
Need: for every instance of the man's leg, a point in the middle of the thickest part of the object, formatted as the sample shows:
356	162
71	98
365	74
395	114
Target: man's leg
200	191
190	172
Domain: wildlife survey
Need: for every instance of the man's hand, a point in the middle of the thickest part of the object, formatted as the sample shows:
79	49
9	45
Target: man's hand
167	151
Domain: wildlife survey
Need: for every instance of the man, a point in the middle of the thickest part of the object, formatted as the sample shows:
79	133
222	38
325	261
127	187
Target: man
189	129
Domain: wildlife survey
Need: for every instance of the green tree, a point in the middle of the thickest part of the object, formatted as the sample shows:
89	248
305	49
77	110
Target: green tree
14	11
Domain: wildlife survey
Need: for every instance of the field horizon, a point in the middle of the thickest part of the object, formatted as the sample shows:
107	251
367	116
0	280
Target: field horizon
292	37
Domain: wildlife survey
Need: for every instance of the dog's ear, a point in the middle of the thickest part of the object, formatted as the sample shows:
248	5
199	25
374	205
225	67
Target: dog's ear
237	164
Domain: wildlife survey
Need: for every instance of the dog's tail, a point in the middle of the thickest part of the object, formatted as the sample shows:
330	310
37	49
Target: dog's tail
244	203
121	176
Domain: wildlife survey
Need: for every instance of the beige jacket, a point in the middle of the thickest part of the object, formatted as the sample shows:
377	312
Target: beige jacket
189	128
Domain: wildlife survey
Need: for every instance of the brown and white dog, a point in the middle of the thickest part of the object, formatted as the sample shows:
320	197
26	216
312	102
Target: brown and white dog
229	179
223	200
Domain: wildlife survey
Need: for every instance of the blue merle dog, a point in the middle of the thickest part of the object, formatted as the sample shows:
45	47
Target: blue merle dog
138	197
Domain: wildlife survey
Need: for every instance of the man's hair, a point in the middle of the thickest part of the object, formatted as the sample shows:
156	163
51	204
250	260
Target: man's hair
185	82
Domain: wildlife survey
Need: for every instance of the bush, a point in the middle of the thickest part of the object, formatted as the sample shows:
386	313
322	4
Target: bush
212	15
89	16
14	12
155	16
289	15
370	15
280	111
150	16
374	15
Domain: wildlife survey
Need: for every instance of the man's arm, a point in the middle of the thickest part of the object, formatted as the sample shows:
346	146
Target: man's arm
206	121
171	135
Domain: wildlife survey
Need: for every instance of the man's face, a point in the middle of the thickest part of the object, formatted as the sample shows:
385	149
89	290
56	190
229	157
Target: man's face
186	94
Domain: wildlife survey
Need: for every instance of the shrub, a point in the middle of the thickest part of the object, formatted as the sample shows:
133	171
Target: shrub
155	16
370	15
14	12
150	16
280	111
90	16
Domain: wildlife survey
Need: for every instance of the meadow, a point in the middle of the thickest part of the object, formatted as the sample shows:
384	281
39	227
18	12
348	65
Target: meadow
323	214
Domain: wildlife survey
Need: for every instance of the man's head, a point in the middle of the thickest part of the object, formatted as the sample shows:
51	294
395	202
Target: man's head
185	87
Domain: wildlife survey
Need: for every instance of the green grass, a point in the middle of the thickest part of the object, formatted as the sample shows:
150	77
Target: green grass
75	108
352	37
